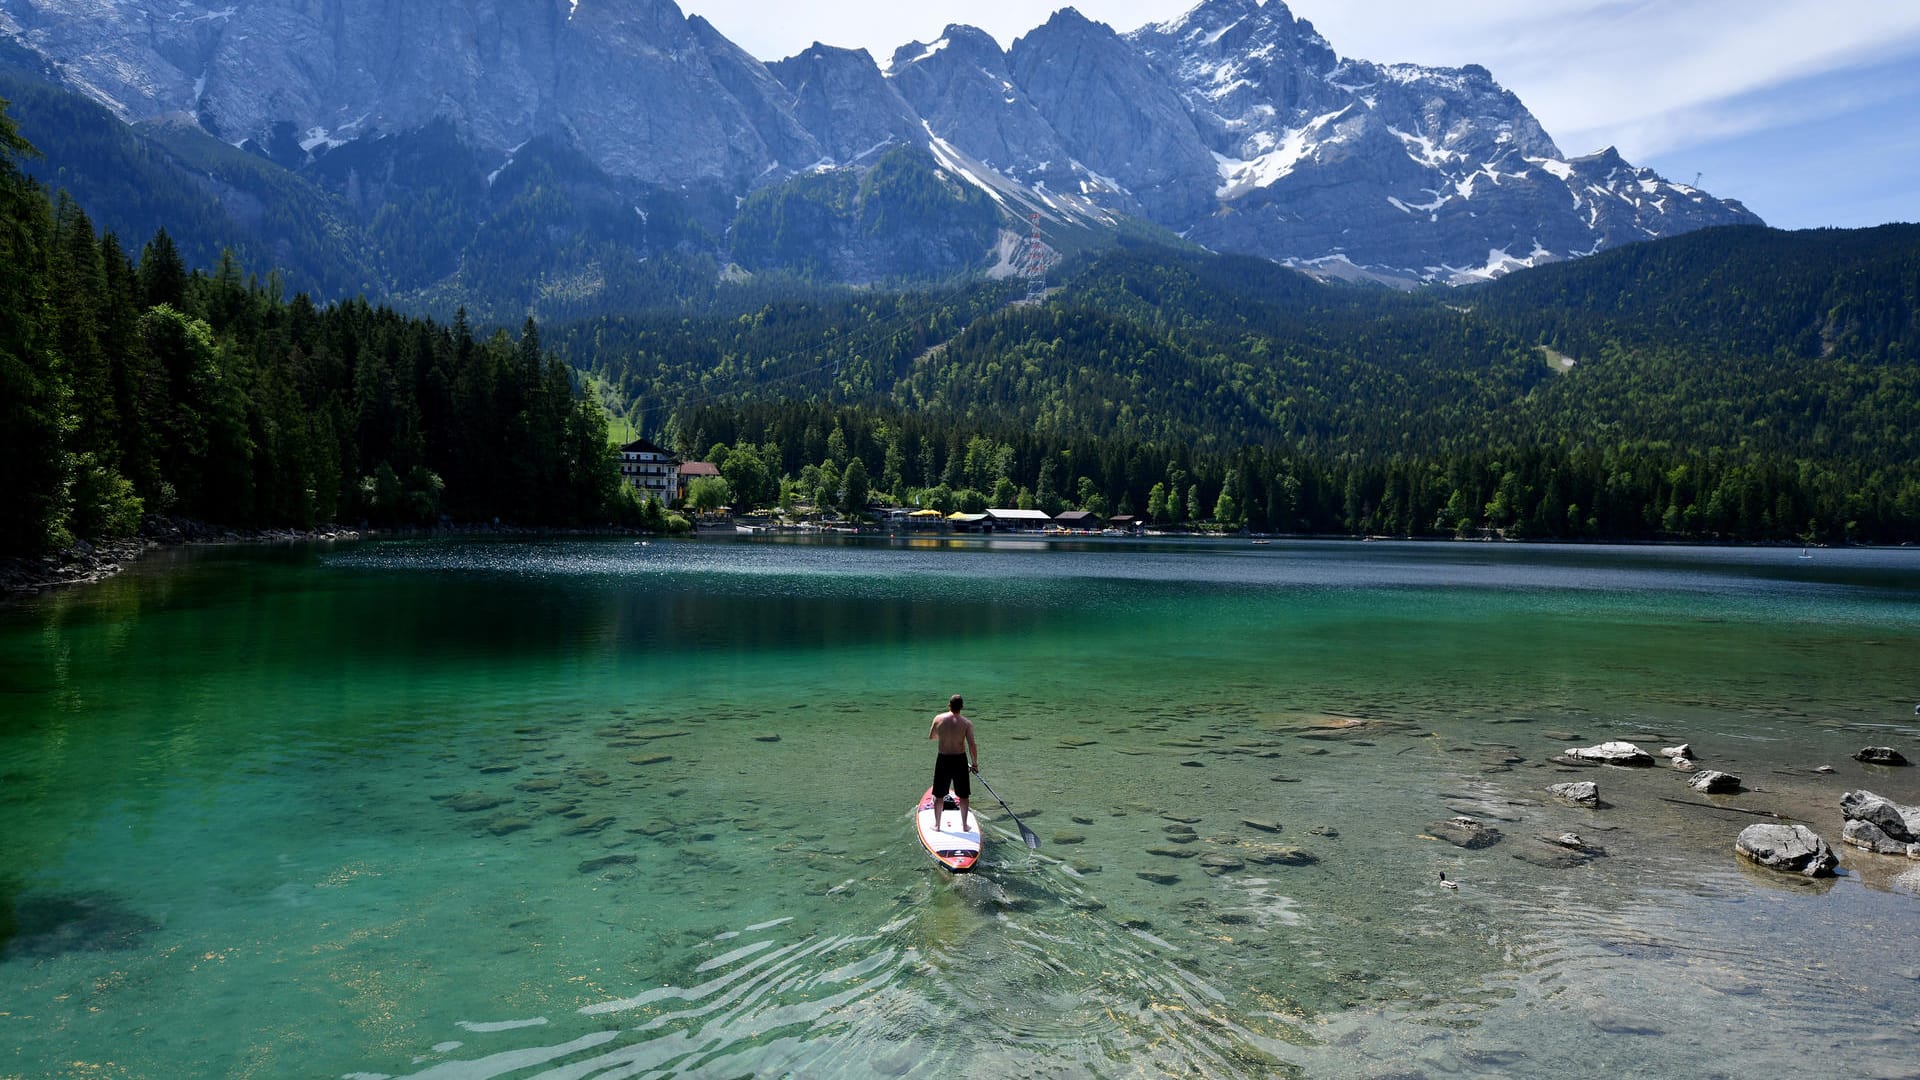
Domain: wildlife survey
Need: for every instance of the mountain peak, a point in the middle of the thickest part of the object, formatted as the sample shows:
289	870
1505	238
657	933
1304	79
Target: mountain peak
1069	18
1235	125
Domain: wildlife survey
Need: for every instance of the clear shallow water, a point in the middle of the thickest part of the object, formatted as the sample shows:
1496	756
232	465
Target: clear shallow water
599	810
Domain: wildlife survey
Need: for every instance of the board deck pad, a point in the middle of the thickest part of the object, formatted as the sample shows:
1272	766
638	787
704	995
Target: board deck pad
941	835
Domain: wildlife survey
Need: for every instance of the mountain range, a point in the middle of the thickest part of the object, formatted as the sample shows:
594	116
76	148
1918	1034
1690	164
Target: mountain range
570	155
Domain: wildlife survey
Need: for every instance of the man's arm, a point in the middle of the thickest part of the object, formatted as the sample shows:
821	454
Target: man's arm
973	749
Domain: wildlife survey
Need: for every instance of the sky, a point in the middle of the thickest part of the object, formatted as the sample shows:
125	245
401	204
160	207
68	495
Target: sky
1804	111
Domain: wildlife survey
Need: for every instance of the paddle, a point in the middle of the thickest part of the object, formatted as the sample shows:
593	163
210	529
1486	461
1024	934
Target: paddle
1025	833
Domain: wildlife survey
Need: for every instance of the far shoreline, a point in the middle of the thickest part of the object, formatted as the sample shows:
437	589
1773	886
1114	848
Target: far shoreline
90	562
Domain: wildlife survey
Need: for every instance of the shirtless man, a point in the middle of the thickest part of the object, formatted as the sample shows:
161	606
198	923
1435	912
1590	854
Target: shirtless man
950	767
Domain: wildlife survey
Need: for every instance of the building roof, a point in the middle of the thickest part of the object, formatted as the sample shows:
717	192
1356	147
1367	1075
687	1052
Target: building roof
1076	515
1019	515
645	446
966	518
926	514
698	468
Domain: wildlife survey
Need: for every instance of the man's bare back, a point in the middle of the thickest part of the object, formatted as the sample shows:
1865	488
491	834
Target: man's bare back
957	756
955	733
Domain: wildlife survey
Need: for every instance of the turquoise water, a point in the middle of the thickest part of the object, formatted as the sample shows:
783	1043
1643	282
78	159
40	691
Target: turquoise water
598	809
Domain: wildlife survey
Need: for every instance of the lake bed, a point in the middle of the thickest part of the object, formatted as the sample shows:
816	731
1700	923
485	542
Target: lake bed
600	808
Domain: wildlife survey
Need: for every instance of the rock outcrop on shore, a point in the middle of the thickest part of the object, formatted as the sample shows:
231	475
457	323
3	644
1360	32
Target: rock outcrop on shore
76	565
84	562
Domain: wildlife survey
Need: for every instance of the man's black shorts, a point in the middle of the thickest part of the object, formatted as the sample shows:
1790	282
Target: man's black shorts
950	770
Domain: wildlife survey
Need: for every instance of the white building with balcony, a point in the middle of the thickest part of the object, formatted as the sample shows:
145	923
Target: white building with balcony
651	469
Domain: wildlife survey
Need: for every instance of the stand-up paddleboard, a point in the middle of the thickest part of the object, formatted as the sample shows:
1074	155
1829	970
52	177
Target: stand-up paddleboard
941	835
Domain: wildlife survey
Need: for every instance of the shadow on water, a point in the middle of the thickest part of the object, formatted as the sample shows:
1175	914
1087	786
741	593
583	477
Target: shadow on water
37	926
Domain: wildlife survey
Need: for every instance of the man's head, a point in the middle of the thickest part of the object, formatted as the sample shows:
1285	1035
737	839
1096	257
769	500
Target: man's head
953	703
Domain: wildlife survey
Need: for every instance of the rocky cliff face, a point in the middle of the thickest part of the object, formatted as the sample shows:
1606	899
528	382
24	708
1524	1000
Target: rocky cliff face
1235	125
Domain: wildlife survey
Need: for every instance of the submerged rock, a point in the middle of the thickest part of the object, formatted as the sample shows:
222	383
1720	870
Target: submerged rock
1880	755
1714	782
1583	793
1787	848
1157	879
471	801
1684	750
1261	824
502	826
545	783
1552	856
1220	863
1610	753
618	859
1466	832
45	926
1278	855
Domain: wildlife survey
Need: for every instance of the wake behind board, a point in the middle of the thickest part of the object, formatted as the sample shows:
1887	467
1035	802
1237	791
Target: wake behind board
941	835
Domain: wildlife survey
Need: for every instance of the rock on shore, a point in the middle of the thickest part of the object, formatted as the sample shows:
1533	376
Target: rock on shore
1788	848
1880	825
1583	792
1610	753
1714	782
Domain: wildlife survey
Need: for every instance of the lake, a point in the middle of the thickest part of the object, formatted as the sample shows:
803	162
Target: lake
596	809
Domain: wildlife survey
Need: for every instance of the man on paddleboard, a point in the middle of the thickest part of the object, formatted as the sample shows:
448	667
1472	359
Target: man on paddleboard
950	767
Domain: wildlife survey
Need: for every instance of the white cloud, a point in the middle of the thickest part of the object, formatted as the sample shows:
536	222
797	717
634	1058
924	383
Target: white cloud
1645	76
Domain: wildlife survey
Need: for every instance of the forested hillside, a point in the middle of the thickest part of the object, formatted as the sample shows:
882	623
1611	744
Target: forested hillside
1737	291
138	386
1314	407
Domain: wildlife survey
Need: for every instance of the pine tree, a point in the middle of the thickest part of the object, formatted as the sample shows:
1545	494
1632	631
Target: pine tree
163	277
33	390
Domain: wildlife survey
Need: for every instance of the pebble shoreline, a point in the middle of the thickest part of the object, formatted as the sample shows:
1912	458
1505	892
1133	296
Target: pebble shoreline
85	562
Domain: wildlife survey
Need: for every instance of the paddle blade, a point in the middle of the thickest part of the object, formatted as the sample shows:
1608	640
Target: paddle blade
1027	835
